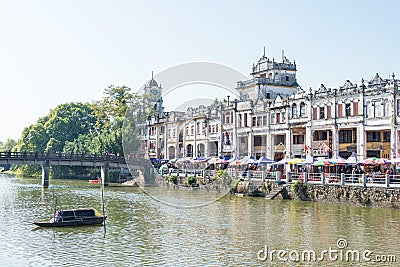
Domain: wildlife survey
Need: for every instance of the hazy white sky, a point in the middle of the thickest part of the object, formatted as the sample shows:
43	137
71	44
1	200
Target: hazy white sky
52	52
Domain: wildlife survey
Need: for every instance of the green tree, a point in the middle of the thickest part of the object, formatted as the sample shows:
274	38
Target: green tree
8	145
65	123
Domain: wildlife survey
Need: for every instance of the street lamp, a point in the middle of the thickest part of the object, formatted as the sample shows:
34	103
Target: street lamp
235	102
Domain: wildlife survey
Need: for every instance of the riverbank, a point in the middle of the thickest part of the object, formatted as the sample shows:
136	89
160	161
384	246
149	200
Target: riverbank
380	197
344	194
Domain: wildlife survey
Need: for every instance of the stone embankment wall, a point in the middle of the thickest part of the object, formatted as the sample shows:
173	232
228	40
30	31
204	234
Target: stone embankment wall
371	196
219	185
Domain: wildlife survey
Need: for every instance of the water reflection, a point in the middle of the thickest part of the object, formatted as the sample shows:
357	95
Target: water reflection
142	231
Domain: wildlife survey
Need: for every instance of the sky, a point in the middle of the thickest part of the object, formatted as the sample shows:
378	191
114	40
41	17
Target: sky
54	52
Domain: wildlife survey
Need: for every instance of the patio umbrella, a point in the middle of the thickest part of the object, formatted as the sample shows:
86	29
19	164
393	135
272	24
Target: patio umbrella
337	160
381	161
264	160
322	162
184	160
369	161
295	161
247	160
309	160
163	167
200	160
173	161
352	161
216	160
234	161
282	162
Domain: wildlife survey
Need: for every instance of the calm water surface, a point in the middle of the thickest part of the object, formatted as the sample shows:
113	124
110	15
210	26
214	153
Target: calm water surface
142	231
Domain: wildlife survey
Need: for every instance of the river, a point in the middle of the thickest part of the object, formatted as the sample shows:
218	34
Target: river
228	231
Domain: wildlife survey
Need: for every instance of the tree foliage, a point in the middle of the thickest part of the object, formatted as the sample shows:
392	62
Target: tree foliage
65	123
8	145
87	128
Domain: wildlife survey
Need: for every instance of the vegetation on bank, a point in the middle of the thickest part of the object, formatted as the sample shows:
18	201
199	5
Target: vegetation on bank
88	128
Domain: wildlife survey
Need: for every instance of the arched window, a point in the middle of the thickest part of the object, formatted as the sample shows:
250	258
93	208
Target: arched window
302	109
294	111
189	150
171	152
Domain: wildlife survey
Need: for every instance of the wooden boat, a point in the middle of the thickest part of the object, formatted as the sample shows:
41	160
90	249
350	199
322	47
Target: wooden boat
77	217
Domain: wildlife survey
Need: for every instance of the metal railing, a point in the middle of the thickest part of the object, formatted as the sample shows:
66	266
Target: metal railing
365	180
35	156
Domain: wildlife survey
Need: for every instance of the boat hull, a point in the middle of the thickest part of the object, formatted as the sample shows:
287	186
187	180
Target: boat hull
98	220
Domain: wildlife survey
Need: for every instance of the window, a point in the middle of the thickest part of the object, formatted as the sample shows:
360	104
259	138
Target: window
152	130
162	129
198	129
321	113
272	118
192	130
373	136
254	121
287	78
355	108
298	139
347	109
384	111
294	111
340	110
174	133
302	109
280	139
228	117
386	136
398	107
278	118
345	136
283	117
328	112
314	113
320	135
264	120
257	140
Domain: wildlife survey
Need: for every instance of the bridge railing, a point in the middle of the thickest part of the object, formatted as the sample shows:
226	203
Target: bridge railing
10	155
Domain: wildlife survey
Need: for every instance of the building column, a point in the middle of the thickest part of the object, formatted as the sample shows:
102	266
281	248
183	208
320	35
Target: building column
45	174
288	144
335	141
308	141
250	143
361	142
393	142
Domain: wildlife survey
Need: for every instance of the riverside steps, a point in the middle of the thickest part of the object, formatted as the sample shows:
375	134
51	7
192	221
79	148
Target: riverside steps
46	160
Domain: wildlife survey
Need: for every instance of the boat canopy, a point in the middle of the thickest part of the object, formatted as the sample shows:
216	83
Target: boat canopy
69	215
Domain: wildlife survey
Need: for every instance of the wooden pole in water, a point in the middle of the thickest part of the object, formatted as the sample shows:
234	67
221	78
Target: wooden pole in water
102	202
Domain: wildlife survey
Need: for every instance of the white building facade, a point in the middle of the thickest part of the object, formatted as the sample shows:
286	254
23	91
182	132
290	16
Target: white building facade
276	118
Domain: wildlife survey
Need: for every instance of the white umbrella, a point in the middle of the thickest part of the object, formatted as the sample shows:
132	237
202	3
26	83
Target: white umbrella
264	160
282	161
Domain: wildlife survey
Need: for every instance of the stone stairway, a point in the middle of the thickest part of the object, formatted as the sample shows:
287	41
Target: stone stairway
275	191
